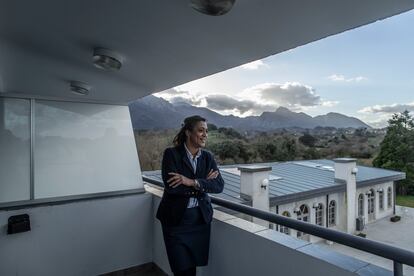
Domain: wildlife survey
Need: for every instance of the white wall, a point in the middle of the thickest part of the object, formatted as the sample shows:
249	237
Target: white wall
379	214
309	202
80	238
341	213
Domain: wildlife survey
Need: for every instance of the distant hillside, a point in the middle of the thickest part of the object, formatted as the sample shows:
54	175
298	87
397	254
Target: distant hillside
156	113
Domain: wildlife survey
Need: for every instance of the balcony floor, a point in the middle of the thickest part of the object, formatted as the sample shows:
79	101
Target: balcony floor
148	269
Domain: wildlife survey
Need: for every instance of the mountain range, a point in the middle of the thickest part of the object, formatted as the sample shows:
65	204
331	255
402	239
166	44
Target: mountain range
152	112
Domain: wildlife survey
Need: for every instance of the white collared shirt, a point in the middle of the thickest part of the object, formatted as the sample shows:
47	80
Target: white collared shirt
193	202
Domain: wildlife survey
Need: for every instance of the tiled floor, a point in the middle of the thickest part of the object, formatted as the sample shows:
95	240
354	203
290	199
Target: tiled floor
398	234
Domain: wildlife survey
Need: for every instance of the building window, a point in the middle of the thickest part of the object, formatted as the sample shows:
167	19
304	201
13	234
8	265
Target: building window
361	205
332	213
389	197
284	229
302	214
319	215
371	204
381	199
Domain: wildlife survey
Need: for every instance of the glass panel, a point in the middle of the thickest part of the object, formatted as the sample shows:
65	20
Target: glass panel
331	216
302	215
360	205
83	148
319	215
389	197
284	229
381	200
14	149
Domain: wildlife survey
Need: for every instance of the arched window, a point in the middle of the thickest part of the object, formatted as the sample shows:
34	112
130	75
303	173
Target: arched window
303	214
332	213
361	205
381	199
371	204
389	197
284	229
319	215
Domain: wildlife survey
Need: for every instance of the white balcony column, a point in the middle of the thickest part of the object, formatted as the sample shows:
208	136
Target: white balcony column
345	169
254	185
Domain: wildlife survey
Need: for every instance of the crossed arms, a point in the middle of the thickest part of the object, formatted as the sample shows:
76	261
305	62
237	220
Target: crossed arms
178	184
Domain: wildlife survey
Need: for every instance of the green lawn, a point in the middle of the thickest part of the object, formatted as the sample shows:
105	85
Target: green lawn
405	200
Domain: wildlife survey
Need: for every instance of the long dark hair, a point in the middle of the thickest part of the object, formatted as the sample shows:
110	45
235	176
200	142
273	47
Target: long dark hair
189	124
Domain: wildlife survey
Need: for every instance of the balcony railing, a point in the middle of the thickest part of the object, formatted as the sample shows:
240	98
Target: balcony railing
398	255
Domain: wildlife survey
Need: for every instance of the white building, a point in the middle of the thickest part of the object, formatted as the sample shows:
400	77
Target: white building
332	194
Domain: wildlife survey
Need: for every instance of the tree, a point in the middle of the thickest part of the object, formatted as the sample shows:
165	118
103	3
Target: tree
231	149
311	153
230	132
289	149
308	140
211	126
267	151
397	150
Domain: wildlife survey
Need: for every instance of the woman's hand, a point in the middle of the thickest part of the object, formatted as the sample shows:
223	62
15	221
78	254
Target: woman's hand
212	174
178	179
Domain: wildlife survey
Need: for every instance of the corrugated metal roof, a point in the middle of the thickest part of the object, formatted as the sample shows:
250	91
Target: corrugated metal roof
365	173
296	177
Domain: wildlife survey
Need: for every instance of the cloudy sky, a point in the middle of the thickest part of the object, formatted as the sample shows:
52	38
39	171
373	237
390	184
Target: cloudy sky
367	73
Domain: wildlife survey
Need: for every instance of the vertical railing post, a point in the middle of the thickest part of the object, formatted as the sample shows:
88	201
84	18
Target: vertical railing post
398	269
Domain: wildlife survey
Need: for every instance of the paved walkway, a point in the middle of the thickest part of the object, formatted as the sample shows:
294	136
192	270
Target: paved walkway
400	234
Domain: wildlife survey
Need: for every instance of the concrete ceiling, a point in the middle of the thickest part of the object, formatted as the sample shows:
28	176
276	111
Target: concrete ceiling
46	43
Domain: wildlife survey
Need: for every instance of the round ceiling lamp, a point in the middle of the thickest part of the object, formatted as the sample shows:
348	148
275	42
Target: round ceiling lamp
107	59
212	7
79	88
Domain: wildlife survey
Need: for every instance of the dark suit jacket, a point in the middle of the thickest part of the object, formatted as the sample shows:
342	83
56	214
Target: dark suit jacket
175	200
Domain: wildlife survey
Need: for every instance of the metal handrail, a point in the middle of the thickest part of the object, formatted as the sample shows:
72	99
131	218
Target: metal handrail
398	255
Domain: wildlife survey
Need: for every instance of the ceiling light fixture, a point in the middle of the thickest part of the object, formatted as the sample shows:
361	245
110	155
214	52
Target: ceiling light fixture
212	7
107	59
79	88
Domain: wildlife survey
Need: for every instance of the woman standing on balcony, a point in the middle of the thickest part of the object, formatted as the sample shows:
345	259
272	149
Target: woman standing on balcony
189	172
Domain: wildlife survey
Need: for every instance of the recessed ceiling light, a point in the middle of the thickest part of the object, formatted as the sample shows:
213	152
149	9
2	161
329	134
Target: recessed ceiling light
79	88
212	7
107	59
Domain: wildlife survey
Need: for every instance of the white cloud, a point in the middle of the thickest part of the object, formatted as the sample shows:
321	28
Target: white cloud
392	108
293	95
376	120
359	78
335	77
254	65
174	95
330	103
378	115
378	123
339	78
226	103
